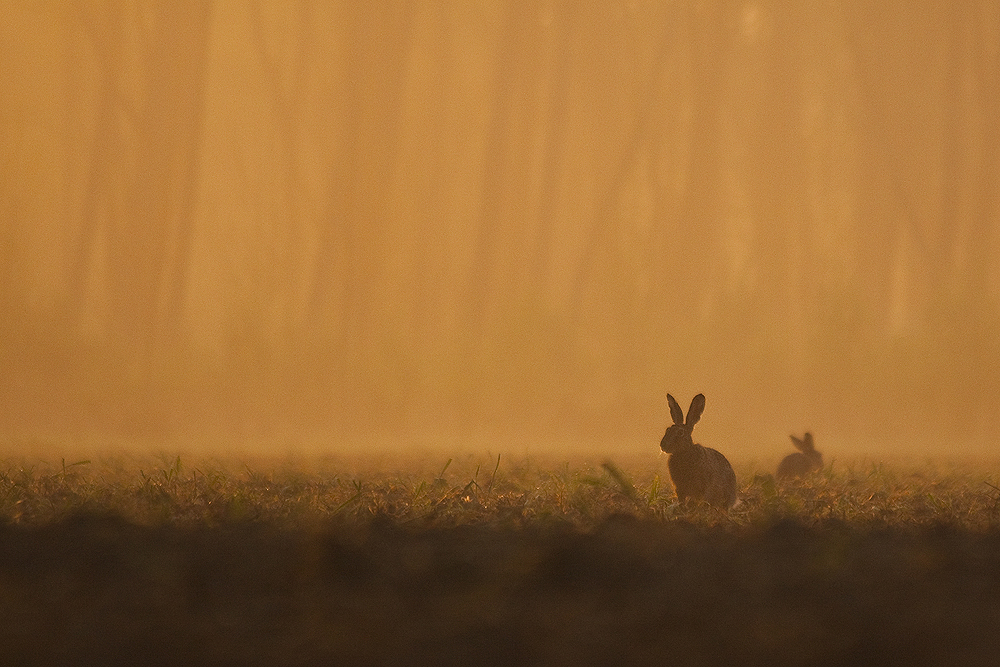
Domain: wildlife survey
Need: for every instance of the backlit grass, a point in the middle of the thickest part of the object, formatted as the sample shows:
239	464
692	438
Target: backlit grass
487	489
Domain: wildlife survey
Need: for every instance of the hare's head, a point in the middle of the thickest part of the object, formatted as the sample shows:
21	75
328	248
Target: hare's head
806	446
678	436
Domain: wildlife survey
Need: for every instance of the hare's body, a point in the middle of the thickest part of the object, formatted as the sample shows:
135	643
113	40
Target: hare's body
802	462
698	473
702	473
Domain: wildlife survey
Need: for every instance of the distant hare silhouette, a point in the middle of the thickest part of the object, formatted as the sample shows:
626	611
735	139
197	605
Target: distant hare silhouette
698	473
801	462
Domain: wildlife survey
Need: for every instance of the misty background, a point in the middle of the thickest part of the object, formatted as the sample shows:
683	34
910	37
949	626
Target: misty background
446	222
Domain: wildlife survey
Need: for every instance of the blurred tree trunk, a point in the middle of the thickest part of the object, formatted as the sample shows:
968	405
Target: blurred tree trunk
286	78
962	305
879	194
985	75
145	168
701	211
558	79
104	34
674	149
776	174
671	89
349	286
970	113
506	169
620	235
182	61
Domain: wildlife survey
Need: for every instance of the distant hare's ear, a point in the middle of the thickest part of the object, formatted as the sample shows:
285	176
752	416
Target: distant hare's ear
799	444
675	411
807	441
694	412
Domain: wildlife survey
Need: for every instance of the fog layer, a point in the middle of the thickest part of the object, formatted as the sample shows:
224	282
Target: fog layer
443	222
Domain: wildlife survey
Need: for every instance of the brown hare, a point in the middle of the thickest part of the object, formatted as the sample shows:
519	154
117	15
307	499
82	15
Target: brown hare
801	462
698	473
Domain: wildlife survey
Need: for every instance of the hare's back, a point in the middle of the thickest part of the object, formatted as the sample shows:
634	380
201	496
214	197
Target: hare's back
723	478
719	461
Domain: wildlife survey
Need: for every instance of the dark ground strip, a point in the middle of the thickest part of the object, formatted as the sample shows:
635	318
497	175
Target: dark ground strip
95	589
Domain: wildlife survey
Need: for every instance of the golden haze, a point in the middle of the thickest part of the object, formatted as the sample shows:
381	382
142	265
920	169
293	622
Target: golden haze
515	223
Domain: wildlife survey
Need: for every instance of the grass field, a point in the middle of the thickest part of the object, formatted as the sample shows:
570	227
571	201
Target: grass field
493	561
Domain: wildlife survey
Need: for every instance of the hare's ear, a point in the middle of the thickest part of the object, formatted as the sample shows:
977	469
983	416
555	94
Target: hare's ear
799	444
675	411
807	441
694	412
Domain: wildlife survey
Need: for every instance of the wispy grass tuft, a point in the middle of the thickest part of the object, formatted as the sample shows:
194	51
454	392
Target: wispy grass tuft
624	483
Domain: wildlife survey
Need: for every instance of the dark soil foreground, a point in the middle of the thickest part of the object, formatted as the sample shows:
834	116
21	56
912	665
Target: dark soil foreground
98	590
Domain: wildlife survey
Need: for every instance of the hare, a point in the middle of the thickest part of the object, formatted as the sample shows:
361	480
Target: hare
698	473
801	462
